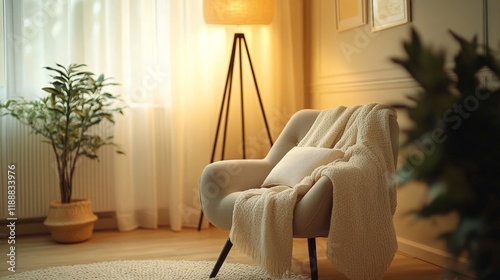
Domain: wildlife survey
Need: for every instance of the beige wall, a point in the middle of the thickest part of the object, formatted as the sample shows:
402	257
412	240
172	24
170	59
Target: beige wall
2	61
353	67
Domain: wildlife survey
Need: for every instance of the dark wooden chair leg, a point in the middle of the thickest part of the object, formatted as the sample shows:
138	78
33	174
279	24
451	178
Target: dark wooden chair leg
313	261
222	258
200	220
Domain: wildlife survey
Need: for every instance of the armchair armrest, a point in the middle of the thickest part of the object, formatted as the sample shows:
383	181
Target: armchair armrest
221	182
312	213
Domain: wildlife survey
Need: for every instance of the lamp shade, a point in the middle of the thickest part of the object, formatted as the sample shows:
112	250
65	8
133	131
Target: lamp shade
238	12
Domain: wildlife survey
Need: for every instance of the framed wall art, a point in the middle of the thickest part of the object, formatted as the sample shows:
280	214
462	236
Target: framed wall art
389	13
350	13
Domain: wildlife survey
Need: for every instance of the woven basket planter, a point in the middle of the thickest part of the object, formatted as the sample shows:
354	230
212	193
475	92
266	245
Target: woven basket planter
70	222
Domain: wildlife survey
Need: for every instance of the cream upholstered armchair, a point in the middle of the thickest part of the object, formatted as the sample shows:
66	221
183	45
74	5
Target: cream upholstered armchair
222	182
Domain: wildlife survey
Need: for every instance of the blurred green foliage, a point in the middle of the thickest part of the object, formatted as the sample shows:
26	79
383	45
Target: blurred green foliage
454	146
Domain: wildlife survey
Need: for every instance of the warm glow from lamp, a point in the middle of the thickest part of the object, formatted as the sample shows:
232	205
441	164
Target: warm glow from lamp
238	12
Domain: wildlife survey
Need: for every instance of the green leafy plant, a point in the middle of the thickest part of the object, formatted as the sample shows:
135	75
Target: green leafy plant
68	117
454	146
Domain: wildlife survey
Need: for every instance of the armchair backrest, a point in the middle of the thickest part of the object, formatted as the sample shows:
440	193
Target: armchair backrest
298	126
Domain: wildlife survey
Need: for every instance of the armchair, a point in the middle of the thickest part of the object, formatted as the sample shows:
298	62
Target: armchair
222	182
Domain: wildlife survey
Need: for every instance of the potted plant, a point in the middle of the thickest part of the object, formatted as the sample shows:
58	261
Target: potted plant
454	146
67	119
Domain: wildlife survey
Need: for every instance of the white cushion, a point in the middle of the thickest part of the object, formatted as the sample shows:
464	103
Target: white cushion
298	163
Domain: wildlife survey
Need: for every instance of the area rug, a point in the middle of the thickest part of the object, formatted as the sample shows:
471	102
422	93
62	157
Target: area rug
147	269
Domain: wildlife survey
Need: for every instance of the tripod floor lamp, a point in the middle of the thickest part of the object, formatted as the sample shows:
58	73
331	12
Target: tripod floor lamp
237	12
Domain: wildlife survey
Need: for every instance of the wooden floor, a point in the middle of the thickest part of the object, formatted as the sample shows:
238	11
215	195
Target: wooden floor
34	252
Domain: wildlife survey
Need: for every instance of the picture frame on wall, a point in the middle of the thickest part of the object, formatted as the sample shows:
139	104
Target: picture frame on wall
350	14
389	13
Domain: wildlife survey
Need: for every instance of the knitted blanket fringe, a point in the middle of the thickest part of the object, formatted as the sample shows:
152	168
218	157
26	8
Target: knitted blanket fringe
361	241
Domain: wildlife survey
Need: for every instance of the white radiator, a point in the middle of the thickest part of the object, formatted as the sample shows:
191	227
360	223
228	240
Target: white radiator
36	177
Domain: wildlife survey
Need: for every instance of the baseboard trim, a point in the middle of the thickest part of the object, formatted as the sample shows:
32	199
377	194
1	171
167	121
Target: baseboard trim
433	255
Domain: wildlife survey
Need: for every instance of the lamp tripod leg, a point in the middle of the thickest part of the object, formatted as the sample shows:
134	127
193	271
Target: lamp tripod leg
258	92
226	98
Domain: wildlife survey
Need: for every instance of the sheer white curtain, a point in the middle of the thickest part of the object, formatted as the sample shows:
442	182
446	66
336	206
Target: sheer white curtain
171	67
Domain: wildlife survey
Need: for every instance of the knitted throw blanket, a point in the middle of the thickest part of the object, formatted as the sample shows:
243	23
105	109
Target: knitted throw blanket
361	241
